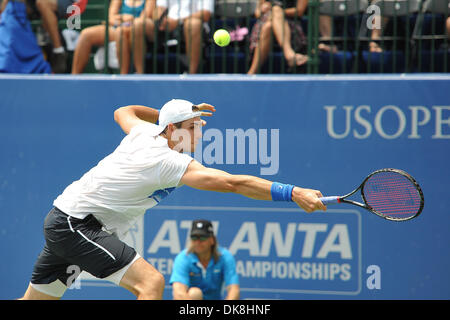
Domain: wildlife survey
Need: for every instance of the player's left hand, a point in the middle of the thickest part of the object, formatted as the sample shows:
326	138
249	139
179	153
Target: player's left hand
205	106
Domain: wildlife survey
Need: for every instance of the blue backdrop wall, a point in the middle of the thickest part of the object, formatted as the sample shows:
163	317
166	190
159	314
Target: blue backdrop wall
325	133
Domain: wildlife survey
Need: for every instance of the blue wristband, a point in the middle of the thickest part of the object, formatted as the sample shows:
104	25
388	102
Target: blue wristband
281	192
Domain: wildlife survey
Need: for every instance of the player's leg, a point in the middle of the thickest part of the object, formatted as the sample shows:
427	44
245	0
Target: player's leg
49	278
105	256
143	280
33	294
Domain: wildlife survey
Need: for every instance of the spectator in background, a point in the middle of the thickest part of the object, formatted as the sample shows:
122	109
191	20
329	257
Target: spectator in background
200	271
378	24
447	27
51	11
19	50
281	18
170	14
326	32
126	36
121	16
3	5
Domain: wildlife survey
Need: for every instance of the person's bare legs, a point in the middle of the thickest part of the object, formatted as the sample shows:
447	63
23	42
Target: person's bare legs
377	32
144	281
262	49
91	36
47	9
141	279
326	31
123	47
282	33
49	18
138	41
193	37
447	25
373	46
325	26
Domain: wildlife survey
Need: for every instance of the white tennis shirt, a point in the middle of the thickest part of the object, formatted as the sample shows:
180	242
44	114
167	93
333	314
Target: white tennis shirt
134	178
185	8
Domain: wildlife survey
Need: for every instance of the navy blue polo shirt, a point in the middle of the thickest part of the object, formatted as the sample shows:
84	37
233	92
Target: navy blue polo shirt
188	270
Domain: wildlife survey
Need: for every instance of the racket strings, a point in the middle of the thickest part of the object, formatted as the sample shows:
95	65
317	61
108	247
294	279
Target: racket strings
392	194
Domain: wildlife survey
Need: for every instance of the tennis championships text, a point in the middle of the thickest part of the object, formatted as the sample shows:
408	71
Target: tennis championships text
324	251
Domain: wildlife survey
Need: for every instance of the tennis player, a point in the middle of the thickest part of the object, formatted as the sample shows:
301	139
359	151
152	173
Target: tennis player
92	214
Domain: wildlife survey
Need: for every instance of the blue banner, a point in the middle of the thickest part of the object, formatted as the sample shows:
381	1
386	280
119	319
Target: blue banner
321	132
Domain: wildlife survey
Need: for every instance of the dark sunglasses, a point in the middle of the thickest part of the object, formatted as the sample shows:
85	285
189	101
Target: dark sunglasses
203	238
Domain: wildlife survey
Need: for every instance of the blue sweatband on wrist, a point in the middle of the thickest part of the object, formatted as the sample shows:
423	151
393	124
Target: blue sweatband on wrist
281	192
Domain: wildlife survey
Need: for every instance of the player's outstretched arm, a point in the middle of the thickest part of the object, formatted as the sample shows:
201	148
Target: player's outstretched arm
129	116
200	177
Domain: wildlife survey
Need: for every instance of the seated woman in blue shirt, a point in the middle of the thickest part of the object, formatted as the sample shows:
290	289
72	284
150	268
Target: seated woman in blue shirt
200	271
121	16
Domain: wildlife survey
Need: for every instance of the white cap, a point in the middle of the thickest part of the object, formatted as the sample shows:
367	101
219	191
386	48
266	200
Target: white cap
176	110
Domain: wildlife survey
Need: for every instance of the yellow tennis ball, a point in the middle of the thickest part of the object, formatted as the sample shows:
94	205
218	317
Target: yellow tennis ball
222	37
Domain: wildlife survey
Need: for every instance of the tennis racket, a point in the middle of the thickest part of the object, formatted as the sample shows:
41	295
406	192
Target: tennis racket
392	194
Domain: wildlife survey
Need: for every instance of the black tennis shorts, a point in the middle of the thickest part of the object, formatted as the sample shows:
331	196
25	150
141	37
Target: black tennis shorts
81	243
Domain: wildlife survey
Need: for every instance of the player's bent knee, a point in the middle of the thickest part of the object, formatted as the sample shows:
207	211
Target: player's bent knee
156	280
143	280
152	287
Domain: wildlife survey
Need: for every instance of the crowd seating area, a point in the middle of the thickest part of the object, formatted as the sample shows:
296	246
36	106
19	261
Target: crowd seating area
414	39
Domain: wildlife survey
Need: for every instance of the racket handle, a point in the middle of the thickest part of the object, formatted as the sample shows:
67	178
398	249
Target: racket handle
329	200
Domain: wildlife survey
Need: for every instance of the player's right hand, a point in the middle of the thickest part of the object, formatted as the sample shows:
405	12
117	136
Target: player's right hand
308	199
